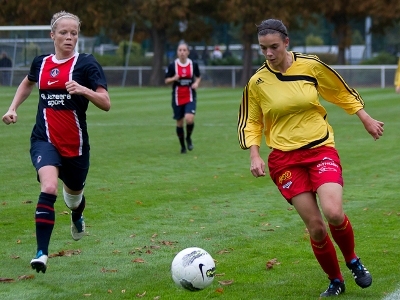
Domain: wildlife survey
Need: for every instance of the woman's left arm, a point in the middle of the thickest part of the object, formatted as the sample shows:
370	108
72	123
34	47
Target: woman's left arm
196	83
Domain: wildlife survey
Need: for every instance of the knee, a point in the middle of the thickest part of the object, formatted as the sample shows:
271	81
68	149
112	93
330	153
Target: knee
49	187
317	230
189	118
335	217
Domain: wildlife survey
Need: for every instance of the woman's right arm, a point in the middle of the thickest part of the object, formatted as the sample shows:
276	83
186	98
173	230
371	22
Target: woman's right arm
24	90
171	79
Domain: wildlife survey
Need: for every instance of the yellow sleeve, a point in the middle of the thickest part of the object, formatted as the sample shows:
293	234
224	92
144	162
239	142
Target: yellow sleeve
334	89
250	118
397	75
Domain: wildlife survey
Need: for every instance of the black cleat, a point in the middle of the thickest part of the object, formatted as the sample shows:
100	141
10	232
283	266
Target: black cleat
335	288
189	144
360	273
183	150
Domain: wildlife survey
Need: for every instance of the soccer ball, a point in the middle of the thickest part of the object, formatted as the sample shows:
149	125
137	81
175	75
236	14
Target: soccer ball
193	269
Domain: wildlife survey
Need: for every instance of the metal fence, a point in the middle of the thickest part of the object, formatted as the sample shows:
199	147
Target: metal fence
229	76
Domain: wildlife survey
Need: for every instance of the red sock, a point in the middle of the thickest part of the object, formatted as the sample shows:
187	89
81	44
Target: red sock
343	235
325	254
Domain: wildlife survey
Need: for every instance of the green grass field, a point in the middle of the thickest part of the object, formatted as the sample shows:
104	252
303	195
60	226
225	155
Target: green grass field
147	201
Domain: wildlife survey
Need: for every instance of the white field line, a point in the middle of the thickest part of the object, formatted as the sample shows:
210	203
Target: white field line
393	296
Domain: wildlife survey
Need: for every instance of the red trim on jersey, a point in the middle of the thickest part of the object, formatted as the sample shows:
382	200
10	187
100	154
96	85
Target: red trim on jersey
183	93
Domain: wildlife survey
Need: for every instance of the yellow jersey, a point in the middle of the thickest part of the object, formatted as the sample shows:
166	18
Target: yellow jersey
286	107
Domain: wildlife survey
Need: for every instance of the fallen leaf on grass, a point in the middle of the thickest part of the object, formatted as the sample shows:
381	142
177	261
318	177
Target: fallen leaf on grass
270	264
225	282
27	201
225	251
156	298
15	256
109	291
66	253
138	260
219	290
6	279
141	295
104	270
64	212
221	274
87	295
167	243
26	277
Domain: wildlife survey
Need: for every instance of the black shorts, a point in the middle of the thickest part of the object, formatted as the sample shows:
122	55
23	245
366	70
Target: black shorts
72	170
181	110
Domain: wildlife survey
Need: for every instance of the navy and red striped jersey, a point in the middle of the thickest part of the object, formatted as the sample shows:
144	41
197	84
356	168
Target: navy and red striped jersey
61	117
182	91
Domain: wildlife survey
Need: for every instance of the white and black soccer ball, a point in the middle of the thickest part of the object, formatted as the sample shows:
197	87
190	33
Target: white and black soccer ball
193	269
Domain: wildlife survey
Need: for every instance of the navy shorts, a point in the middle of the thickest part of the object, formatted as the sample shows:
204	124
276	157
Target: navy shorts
181	110
72	170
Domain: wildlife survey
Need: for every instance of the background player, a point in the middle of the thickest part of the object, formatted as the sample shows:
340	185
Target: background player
67	82
397	78
184	74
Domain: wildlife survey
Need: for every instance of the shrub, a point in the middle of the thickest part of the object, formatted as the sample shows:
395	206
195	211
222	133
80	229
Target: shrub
382	58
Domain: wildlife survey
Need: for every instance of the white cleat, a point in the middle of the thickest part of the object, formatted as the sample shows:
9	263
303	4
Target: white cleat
39	263
77	229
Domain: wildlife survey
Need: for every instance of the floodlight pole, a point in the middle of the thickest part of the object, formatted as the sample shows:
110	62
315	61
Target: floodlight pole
368	38
128	54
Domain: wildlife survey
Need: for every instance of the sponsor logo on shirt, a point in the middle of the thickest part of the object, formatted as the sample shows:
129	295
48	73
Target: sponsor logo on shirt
185	81
54	72
51	82
55	99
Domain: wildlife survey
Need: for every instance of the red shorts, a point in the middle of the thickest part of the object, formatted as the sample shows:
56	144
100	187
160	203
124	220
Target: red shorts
304	170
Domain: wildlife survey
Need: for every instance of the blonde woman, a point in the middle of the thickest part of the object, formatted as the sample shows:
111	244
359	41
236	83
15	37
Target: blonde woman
67	81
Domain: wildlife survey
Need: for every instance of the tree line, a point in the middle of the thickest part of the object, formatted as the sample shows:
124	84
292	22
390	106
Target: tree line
162	20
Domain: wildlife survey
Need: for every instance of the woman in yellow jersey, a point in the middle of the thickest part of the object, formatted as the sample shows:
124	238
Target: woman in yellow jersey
281	101
397	78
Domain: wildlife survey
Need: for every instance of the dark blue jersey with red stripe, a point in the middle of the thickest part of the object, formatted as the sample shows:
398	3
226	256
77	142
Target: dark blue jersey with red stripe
182	91
61	117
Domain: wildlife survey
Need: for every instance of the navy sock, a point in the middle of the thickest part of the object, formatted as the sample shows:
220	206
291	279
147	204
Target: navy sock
44	220
189	130
181	135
